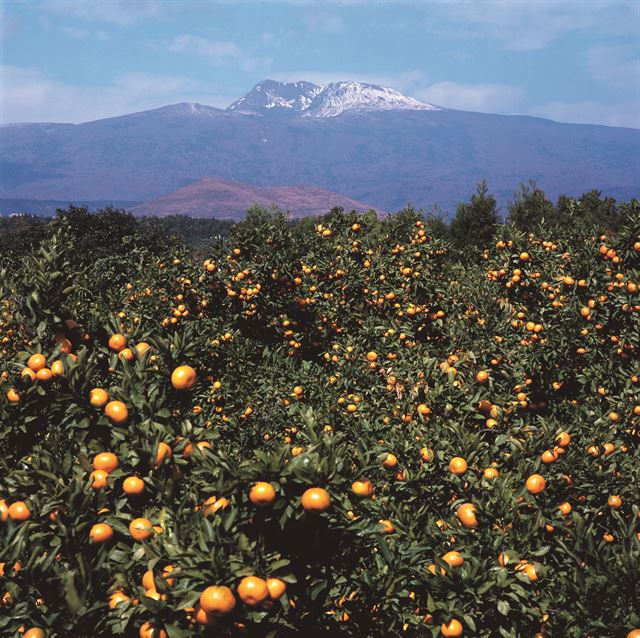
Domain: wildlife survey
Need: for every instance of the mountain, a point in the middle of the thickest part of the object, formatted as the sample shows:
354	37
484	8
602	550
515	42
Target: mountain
310	100
228	199
369	143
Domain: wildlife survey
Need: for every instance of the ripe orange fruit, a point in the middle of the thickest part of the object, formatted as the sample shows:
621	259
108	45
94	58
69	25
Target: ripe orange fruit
276	588
141	348
635	633
147	630
183	378
563	439
141	529
98	397
614	501
457	466
12	396
387	526
117	597
426	454
133	485
126	354
252	590
565	508
466	514
201	617
101	533
106	461
117	412
164	452
452	628
19	511
213	504
453	559
390	461
36	362
262	494
217	600
117	342
482	376
99	479
4	510
536	484
372	356
549	456
491	473
57	368
34	632
44	375
362	488
316	499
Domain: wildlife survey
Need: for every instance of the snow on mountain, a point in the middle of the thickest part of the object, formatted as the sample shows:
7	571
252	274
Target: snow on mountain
275	96
311	100
338	97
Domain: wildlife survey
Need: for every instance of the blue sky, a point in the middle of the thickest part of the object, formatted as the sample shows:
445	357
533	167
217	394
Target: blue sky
76	60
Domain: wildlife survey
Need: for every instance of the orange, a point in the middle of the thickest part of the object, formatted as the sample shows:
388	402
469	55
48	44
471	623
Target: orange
57	368
34	632
372	356
117	597
149	631
213	504
635	633
28	375
276	588
217	600
530	571
19	511
117	412
262	494
203	618
44	375
183	378
453	559
141	529
106	461
453	627
362	488
99	479
549	456
614	501
466	514
563	439
536	484
390	461
387	526
565	508
426	454
133	485
316	499
12	396
98	397
4	510
163	453
117	342
457	466
252	590
141	348
36	362
126	354
491	473
101	533
482	376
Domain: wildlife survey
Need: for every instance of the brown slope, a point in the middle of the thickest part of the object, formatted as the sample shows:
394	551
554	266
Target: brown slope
228	199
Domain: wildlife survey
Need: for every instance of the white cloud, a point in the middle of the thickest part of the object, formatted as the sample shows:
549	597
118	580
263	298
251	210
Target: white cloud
589	112
530	25
74	32
30	96
616	66
122	13
218	52
489	98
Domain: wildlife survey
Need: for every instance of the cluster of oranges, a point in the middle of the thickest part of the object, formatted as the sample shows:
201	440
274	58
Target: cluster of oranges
353	434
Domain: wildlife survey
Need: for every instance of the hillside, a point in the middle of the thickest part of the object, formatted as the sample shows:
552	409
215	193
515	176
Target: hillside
228	199
375	145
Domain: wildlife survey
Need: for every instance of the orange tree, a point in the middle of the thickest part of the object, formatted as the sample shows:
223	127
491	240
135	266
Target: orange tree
328	428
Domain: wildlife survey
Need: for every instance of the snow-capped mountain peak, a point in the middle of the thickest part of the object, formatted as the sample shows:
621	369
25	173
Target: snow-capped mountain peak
311	100
338	97
272	96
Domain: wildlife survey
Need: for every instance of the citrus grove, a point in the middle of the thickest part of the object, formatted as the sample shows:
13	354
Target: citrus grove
337	428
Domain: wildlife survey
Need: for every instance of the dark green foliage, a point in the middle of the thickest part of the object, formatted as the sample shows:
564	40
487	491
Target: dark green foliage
475	221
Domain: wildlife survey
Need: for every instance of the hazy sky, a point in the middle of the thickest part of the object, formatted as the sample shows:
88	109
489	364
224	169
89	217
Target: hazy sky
76	60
